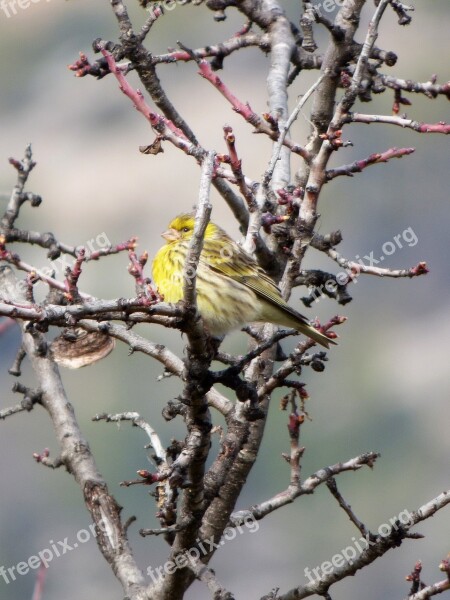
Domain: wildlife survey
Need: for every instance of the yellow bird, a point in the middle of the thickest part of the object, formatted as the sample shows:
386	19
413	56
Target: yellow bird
232	289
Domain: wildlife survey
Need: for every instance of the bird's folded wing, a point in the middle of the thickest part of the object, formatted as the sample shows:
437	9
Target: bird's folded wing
242	268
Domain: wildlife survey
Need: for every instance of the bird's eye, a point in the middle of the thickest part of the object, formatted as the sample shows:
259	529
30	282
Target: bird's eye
185	229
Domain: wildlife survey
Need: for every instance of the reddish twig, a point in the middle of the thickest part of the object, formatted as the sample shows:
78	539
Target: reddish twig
72	276
44	459
421	591
267	126
14	259
115	249
236	167
143	283
160	124
40	582
136	267
415	578
83	67
359	165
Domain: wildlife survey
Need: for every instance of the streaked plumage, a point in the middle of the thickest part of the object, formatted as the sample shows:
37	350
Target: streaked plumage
232	290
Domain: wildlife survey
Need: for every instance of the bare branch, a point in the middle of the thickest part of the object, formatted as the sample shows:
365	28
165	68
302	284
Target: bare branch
431	590
429	88
356	268
171	362
285	128
103	508
38	591
138	421
332	486
201	221
259	511
208	577
260	125
373	159
18	196
400	122
218	51
375	548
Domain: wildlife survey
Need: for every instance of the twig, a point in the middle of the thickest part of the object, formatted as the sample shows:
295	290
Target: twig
295	359
262	509
356	268
440	127
429	88
245	110
202	215
285	128
80	462
236	167
132	309
162	531
174	130
44	459
361	65
15	369
138	421
18	196
154	15
332	486
375	548
218	51
208	577
160	124
13	259
26	404
431	590
359	165
159	352
40	582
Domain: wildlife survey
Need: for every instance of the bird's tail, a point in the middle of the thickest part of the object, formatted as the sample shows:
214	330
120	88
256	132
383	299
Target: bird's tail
288	317
311	332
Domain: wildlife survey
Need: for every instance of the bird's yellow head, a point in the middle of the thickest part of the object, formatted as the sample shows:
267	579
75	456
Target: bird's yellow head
182	228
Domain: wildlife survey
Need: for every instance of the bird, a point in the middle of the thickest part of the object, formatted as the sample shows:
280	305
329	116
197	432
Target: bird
232	289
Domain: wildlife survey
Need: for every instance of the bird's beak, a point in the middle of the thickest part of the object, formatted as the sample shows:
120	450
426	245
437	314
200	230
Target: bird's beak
171	235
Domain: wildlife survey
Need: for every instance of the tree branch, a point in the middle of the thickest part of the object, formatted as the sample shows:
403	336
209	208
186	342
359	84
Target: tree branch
376	548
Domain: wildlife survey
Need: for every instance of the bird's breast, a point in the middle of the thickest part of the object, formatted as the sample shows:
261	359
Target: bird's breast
168	272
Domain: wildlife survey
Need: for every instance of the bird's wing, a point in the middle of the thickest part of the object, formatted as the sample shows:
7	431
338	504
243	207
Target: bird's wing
232	261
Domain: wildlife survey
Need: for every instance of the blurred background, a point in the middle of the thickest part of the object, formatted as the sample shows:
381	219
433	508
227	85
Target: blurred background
385	387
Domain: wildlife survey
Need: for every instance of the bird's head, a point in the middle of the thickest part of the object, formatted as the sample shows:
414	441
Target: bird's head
182	228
